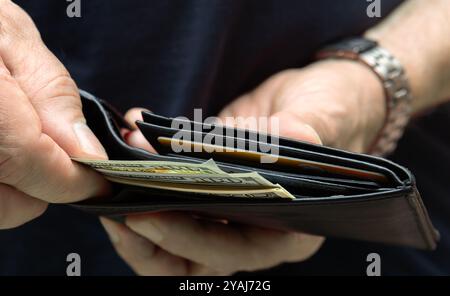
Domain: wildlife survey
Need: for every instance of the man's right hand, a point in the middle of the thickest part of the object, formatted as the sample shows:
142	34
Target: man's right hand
41	124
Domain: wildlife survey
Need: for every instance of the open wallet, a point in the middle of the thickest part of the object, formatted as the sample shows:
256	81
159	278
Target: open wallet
336	193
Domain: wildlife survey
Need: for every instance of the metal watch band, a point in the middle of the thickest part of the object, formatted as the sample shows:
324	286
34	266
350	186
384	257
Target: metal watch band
395	83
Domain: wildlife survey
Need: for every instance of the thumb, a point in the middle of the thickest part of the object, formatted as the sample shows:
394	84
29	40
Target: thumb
280	124
289	126
47	84
59	108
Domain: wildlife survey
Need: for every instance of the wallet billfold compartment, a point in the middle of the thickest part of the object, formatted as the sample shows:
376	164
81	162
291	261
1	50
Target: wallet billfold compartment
337	193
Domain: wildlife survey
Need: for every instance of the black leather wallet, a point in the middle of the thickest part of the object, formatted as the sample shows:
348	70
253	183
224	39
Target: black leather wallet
337	193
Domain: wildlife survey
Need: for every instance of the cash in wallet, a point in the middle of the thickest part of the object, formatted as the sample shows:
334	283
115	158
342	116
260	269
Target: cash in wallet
305	187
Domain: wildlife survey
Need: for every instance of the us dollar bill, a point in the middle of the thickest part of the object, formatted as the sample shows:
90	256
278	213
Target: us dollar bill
275	192
207	173
153	167
252	179
205	178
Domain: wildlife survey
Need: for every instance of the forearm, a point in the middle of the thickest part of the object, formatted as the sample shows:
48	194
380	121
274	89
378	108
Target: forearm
418	34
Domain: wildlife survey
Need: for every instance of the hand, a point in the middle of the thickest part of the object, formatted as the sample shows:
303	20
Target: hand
336	102
179	244
174	243
41	124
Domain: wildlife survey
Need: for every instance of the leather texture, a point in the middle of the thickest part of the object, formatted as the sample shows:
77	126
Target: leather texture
389	212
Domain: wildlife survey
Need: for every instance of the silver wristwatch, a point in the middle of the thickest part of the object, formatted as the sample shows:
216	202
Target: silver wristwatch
395	82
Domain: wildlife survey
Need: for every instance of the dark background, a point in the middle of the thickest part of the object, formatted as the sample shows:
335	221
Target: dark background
173	56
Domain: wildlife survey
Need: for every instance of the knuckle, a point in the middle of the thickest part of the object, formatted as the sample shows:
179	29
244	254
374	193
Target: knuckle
5	76
14	164
56	86
59	92
283	76
9	158
12	215
40	209
14	21
6	168
137	259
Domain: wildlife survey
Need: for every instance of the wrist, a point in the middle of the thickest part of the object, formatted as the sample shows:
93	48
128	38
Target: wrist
371	102
421	47
419	75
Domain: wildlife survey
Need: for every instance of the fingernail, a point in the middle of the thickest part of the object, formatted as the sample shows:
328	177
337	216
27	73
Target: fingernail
314	136
147	228
88	142
137	139
110	230
126	136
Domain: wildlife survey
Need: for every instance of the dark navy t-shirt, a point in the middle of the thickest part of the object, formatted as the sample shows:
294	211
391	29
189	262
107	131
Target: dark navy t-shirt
174	56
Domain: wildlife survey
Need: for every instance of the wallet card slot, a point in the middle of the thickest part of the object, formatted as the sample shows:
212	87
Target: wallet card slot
106	128
286	161
298	183
301	149
287	154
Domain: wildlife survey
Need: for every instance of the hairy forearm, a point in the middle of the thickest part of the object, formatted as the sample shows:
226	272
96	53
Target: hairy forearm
418	34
